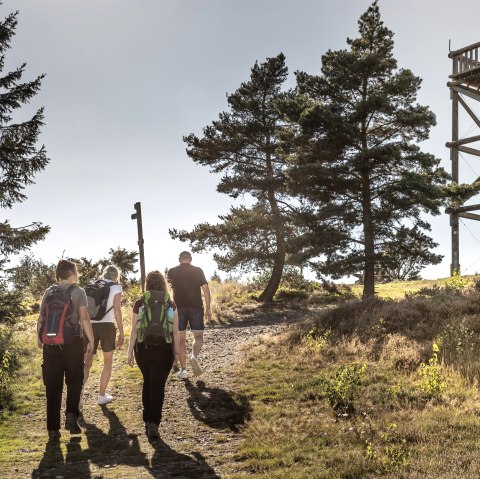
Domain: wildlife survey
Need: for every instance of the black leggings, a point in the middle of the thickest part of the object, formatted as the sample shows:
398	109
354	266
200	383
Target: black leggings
155	363
62	363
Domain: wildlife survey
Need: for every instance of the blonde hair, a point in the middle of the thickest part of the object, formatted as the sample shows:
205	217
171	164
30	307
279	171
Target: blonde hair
111	272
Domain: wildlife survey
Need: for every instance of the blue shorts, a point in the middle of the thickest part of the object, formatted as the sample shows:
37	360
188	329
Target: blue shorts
192	317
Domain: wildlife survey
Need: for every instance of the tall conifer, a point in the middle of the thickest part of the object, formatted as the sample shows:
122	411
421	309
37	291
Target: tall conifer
356	159
20	157
243	145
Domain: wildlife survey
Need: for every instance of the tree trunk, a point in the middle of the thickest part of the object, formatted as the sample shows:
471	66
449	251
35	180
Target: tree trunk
368	231
369	238
280	253
277	271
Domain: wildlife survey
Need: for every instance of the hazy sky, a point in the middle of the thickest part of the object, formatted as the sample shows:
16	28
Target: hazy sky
126	79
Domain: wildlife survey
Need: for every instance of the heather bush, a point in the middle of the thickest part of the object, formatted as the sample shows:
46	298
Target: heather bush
418	317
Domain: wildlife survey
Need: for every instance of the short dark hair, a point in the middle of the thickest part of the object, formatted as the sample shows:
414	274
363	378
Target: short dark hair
185	255
64	269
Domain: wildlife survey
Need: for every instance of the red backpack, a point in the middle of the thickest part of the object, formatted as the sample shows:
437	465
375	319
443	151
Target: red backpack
57	326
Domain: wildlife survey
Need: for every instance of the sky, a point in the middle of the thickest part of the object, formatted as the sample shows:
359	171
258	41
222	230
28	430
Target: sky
127	79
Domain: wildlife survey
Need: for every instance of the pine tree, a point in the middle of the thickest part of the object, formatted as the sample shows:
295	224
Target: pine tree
356	160
243	145
20	158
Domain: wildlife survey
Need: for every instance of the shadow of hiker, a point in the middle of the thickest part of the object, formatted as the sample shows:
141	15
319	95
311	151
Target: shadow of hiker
216	407
167	463
53	464
116	446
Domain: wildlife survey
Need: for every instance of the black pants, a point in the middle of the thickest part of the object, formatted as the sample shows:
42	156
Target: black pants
59	364
155	363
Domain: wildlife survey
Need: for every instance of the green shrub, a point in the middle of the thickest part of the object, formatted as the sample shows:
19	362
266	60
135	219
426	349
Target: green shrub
389	451
433	380
343	390
8	366
316	341
456	281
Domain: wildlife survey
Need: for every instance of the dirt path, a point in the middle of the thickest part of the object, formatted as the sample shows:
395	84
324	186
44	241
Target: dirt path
200	432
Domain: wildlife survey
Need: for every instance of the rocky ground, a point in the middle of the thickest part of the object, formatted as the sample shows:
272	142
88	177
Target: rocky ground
203	417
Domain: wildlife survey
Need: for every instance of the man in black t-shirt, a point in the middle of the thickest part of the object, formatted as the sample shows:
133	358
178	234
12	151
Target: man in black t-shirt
188	282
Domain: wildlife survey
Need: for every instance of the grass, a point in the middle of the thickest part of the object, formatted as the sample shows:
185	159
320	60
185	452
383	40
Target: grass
361	393
398	289
355	391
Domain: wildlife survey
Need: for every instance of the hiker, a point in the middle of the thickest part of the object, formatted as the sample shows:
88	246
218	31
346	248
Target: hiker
62	324
187	283
104	330
154	327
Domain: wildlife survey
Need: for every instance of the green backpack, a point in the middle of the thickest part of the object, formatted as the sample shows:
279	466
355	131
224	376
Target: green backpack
155	321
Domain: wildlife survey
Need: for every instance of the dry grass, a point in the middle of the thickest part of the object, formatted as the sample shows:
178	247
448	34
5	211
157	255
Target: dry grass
400	424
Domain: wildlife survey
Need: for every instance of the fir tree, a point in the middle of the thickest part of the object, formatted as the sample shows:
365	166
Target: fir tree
20	158
356	160
243	145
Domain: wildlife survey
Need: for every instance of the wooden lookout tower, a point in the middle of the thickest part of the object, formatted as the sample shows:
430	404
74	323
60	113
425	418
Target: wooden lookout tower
465	83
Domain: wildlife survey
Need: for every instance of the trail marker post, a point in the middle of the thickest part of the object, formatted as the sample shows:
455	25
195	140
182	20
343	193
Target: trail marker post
138	216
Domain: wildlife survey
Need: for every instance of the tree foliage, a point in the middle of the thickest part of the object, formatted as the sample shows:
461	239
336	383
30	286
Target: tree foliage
356	159
243	145
20	158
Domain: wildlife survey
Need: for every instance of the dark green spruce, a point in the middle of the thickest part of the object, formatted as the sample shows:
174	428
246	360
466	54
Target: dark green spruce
243	145
20	160
356	162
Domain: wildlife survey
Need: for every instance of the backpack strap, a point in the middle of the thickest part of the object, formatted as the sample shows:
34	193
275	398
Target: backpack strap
109	284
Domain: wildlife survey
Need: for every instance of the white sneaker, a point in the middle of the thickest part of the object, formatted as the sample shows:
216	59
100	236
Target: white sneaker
197	370
104	399
182	374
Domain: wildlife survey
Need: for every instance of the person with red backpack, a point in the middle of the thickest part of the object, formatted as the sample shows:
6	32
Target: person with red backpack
153	346
61	324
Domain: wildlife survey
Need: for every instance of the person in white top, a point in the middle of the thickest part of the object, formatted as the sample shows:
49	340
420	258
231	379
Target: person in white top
104	332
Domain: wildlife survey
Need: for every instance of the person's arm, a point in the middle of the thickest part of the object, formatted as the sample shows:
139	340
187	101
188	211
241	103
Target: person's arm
39	321
175	336
206	294
117	311
133	338
87	327
39	324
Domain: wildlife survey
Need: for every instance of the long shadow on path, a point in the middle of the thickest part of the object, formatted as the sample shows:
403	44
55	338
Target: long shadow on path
216	407
114	448
168	463
53	464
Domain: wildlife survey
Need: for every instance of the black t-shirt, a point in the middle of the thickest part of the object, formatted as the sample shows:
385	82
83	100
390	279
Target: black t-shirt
187	281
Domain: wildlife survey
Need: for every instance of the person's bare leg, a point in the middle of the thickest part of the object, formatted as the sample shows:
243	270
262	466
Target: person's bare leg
87	364
197	343
182	348
106	372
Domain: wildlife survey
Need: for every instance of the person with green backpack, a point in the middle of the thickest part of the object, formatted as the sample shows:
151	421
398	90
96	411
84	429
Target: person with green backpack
153	346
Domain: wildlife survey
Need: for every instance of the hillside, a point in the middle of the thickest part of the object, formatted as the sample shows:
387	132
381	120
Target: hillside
386	389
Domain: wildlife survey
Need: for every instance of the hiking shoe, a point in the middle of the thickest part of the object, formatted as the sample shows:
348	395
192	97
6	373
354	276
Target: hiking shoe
71	423
197	370
54	435
182	374
152	431
104	399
